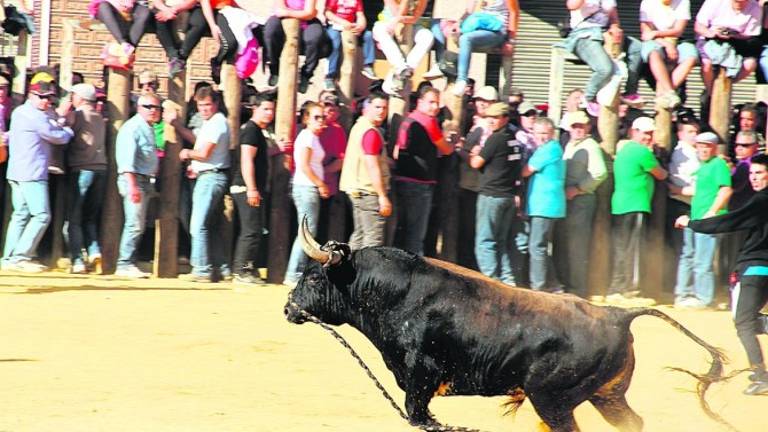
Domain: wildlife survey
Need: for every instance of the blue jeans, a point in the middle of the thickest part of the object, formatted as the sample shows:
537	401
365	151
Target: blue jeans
86	194
542	272
591	52
414	202
206	217
135	217
30	218
494	226
307	202
439	44
477	40
334	59
695	270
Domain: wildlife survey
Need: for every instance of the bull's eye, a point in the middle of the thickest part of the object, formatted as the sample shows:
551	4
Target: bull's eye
314	279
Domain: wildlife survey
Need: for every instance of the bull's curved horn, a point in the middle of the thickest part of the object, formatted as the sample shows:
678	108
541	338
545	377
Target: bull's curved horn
310	245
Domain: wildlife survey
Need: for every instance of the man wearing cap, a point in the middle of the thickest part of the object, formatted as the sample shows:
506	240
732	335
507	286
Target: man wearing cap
87	163
634	170
30	135
210	161
695	288
469	177
499	162
365	174
585	171
249	180
528	115
137	165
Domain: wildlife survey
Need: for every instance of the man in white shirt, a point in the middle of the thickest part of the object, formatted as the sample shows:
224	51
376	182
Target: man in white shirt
210	162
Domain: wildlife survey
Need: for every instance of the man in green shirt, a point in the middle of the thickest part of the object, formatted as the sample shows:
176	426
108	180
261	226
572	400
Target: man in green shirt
695	288
635	169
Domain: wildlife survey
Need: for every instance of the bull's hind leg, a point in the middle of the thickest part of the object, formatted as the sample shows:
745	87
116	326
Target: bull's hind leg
611	402
556	418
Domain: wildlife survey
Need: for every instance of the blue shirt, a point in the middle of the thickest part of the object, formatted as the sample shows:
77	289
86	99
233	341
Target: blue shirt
135	147
29	143
546	187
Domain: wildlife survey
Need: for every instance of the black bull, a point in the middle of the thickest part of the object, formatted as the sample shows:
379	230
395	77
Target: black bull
446	330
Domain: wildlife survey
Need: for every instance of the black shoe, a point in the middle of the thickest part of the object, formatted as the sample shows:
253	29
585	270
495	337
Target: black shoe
303	83
215	70
757	388
273	80
248	278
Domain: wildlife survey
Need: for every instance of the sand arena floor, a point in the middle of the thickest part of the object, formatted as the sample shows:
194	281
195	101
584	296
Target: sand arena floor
99	354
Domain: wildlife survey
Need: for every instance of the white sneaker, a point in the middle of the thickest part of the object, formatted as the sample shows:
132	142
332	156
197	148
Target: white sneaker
131	272
433	73
78	268
388	85
25	266
459	88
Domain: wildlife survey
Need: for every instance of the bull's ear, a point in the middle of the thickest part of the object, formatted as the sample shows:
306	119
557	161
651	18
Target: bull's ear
339	252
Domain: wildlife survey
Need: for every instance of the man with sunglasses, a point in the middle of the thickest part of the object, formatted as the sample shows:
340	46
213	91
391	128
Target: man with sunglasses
30	135
137	164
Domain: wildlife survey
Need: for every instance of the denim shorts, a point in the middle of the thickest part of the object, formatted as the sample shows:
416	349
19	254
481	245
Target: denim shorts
685	50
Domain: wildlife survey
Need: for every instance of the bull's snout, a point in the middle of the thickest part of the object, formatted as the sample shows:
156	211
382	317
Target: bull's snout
292	314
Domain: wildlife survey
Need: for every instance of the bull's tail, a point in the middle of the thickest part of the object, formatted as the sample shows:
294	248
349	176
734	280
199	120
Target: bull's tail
715	373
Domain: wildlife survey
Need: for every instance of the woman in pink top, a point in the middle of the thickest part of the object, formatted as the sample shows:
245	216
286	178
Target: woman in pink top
313	42
126	19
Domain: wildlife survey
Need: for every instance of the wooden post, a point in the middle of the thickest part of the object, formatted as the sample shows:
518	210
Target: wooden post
19	85
608	126
285	126
232	96
118	109
507	68
349	72
720	109
166	262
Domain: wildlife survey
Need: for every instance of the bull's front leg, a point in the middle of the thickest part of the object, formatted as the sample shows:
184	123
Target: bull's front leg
422	382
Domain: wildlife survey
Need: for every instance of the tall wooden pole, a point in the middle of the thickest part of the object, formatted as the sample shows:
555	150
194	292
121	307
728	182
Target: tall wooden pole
349	72
720	109
608	126
233	92
118	109
280	211
166	263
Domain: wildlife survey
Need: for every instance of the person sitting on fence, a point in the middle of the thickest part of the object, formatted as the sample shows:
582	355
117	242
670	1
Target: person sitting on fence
313	41
127	21
221	31
662	24
728	35
167	13
589	19
347	15
490	26
392	20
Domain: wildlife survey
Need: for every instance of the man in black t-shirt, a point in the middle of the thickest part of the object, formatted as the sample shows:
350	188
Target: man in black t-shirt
500	163
250	164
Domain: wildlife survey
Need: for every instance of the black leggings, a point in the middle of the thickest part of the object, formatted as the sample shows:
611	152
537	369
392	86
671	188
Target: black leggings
748	299
123	30
312	41
193	33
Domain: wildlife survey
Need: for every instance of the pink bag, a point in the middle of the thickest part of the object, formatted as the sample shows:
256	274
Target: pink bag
245	63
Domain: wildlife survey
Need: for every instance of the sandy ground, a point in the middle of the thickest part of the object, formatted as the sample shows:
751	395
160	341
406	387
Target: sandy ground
99	354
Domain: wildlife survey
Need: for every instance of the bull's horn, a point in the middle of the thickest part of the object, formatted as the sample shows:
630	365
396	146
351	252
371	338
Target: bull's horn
310	245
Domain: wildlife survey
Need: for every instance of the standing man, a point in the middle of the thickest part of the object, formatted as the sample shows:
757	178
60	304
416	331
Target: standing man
545	203
137	165
695	287
210	162
365	174
634	171
499	162
585	171
419	143
86	178
750	295
251	166
31	134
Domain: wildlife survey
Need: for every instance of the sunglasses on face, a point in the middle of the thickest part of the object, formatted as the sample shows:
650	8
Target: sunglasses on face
45	97
150	107
318	117
744	144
